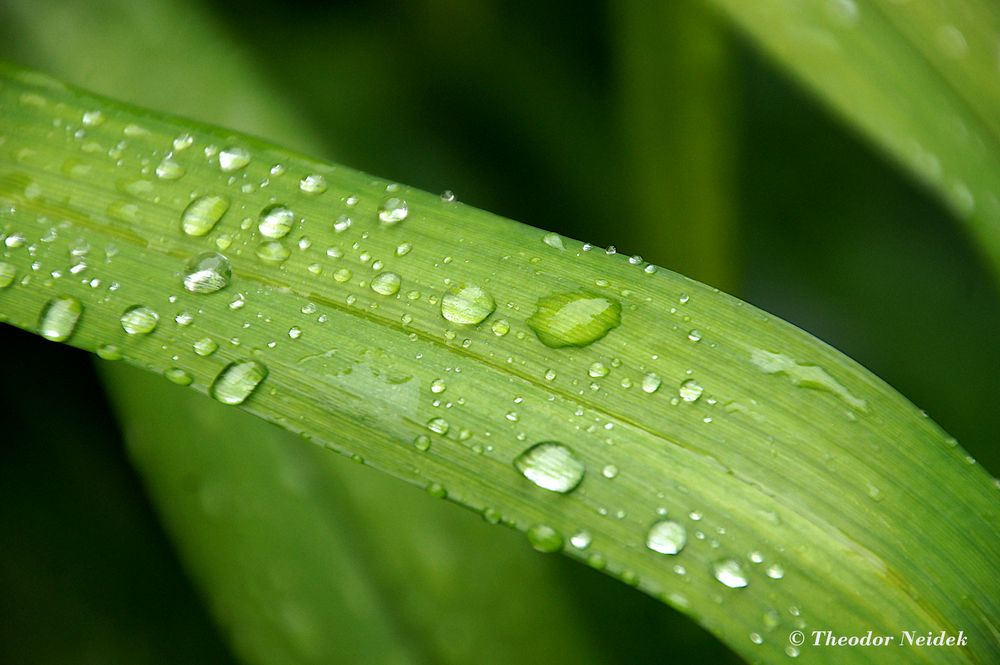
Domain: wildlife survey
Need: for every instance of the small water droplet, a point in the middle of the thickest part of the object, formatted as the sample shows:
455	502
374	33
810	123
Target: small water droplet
386	283
233	159
139	320
610	471
666	537
342	223
8	272
202	214
651	383
467	304
438	386
272	252
438	426
730	573
694	335
93	118
551	466
109	352
775	572
544	538
313	184
205	346
168	169
500	327
393	210
207	273
343	275
581	540
756	638
294	332
576	318
403	248
178	376
690	390
598	369
276	221
553	240
448	196
237	381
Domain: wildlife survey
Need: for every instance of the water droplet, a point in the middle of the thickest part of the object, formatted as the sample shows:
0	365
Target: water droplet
551	466
109	352
233	159
666	537
544	538
651	383
694	335
237	381
313	184
756	638
422	443
342	223
553	240
690	390
183	142
205	346
610	471
272	252
276	221
500	327
952	42
393	210
550	374
775	572
93	118
438	386
598	369
178	376
139	320
792	651
438	426
448	196
804	376
168	169
467	304
575	318
581	540
8	272
730	573
386	283
207	273
202	214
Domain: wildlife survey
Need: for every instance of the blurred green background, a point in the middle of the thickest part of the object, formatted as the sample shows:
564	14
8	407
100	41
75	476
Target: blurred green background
660	131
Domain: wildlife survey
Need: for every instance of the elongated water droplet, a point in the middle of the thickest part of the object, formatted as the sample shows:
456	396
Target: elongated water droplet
386	283
467	304
139	320
178	376
576	318
651	383
553	240
202	214
233	159
393	210
207	273
272	252
804	376
544	538
666	537
109	352
168	169
237	381
690	390
730	573
313	184
8	271
438	426
59	318
551	466
205	346
276	221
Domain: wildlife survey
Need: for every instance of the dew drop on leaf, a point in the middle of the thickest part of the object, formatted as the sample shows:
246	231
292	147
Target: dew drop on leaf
275	221
575	318
438	426
666	537
233	159
205	346
272	252
109	352
202	214
139	320
467	304
544	538
651	383
690	390
313	184
393	210
730	573
7	274
237	381
178	376
551	466
386	283
207	273
59	318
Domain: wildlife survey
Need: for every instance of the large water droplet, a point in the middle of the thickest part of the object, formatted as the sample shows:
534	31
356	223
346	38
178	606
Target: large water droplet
272	252
59	318
544	538
139	320
233	159
804	376
202	214
730	573
576	318
666	537
467	304
276	221
386	283
207	273
393	210
237	381
551	466
313	184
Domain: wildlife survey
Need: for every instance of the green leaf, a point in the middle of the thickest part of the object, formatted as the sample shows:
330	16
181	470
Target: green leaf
811	496
920	78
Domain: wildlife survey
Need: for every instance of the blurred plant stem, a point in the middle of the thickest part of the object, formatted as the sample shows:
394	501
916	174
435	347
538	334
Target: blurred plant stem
677	120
